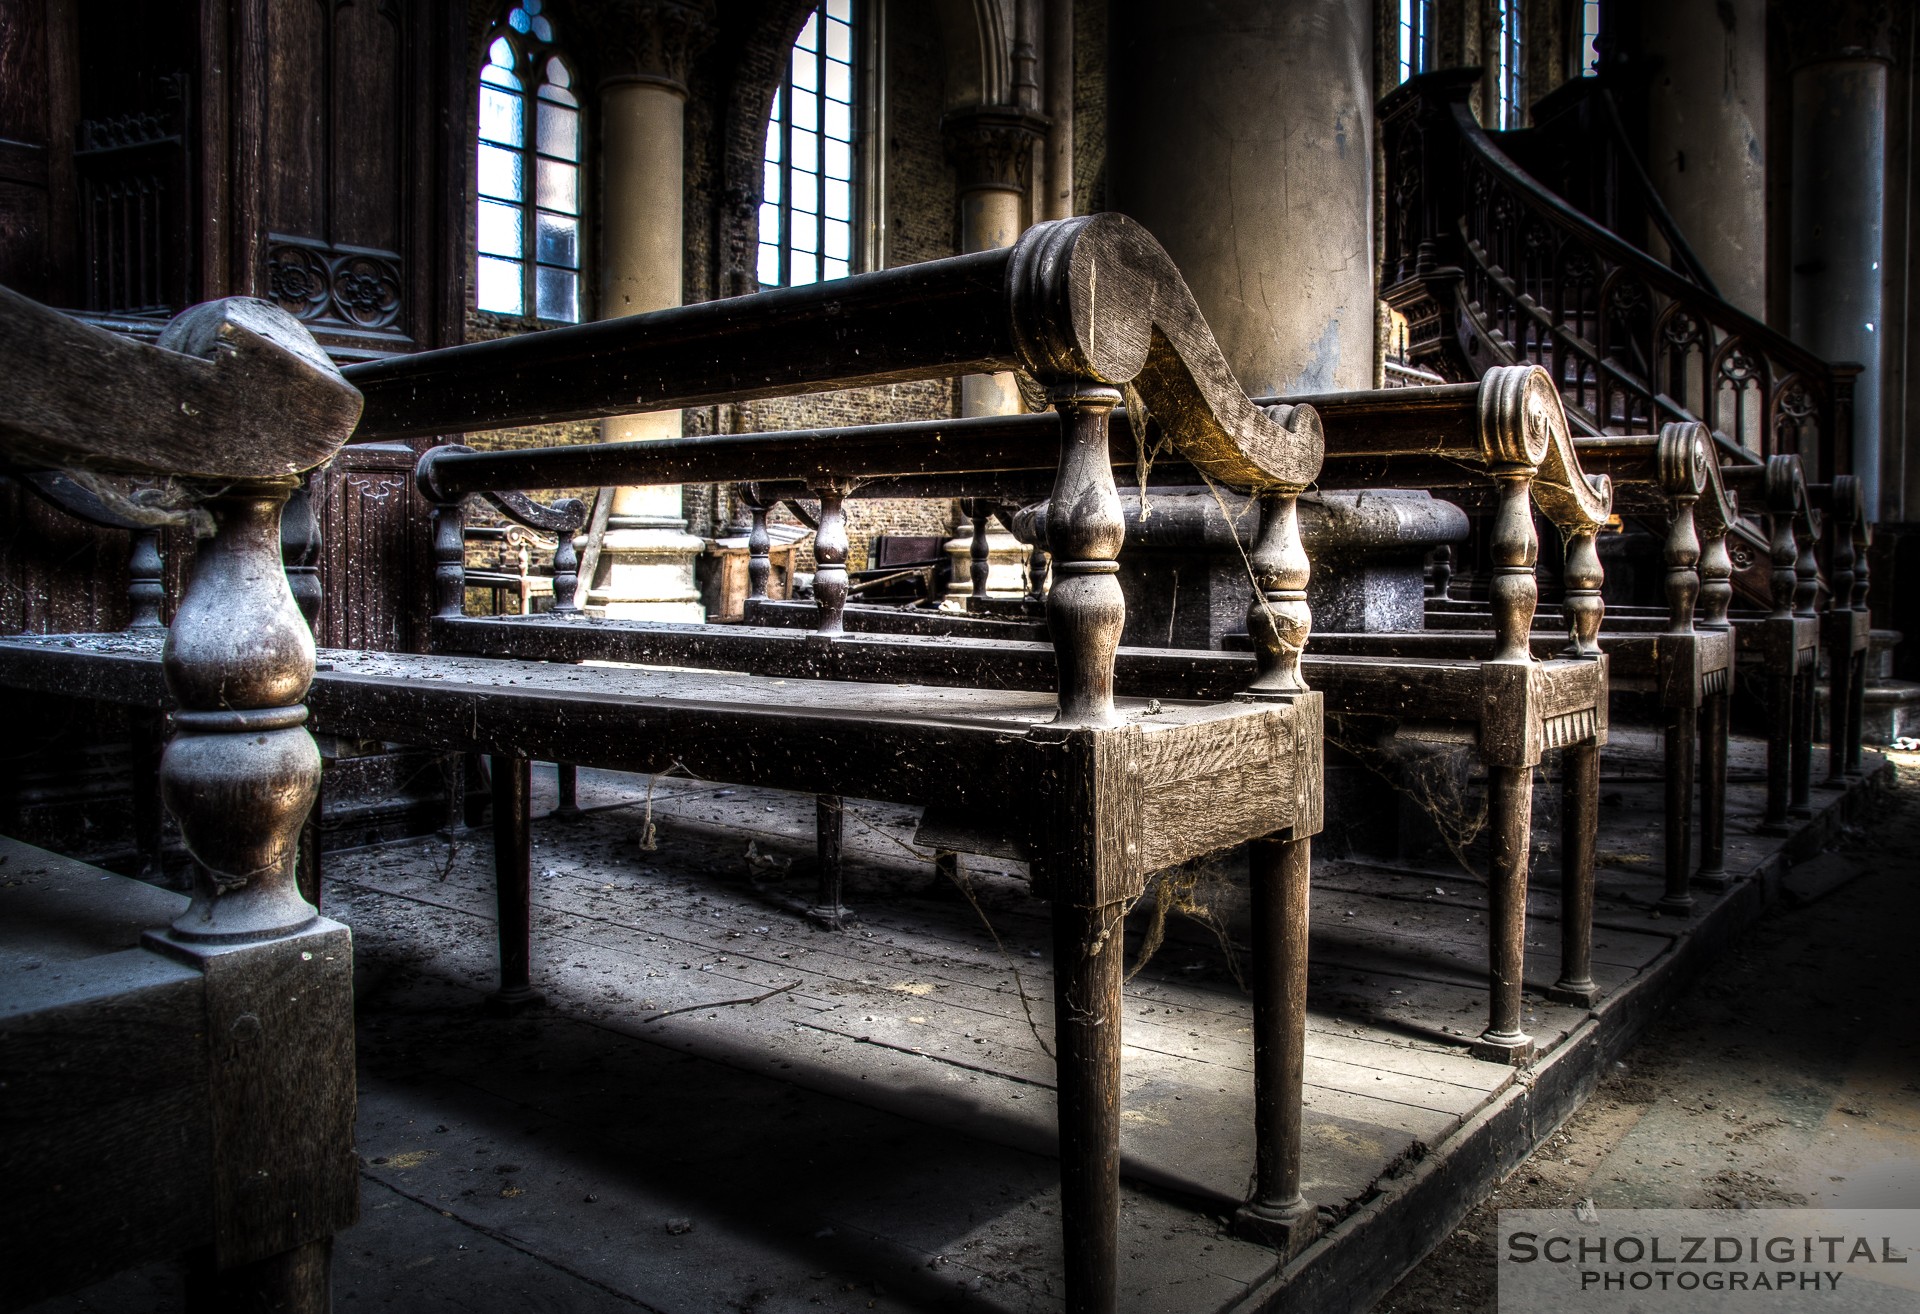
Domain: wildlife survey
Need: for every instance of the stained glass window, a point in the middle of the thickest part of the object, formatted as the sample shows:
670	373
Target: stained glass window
1416	37
1508	79
807	203
527	226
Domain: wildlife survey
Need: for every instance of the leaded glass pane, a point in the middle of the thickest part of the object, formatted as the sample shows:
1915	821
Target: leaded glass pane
839	199
559	240
502	116
803	269
502	173
558	294
558	186
806	111
502	229
839	121
806	192
499	286
559	129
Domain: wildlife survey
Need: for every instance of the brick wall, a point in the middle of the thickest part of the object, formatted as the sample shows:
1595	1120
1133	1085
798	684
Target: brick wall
921	222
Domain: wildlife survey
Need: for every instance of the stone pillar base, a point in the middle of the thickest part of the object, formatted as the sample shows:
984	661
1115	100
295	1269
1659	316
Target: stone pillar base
647	574
1006	561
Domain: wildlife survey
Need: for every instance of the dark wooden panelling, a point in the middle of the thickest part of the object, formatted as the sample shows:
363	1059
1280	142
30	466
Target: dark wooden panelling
366	125
23	54
57	574
372	526
295	145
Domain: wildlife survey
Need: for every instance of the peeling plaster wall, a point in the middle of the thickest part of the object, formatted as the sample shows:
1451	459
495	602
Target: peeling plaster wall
1706	137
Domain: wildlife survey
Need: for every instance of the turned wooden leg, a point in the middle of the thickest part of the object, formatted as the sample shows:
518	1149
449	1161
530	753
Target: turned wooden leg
297	1281
1088	946
979	552
307	865
1839	709
1713	793
149	741
1800	801
513	882
1856	712
1780	700
1086	609
1678	897
566	778
1278	1213
829	823
1579	827
1510	821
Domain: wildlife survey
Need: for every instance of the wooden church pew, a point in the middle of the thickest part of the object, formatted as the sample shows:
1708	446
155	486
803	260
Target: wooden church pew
1102	790
179	1072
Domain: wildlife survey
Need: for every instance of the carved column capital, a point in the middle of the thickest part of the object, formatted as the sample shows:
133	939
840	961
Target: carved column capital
651	40
991	146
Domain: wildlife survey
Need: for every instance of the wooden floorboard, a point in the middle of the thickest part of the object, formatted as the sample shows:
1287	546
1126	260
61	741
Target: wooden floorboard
911	1025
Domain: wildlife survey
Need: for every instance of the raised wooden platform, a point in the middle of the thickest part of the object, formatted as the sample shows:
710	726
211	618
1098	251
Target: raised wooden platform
613	1153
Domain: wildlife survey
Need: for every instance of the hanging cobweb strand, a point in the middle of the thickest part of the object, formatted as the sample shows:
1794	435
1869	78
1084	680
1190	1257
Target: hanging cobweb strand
1424	780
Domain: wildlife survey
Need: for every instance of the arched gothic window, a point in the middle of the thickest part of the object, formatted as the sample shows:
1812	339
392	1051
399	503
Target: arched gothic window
527	229
1586	55
807	205
1509	71
1415	37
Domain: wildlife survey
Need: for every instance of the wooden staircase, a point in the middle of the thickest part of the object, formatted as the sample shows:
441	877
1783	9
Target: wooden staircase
1492	266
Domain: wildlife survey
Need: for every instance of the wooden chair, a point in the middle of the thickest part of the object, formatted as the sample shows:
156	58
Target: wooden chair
179	1072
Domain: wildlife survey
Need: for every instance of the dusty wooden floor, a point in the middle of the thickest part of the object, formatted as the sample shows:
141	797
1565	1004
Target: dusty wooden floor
723	1108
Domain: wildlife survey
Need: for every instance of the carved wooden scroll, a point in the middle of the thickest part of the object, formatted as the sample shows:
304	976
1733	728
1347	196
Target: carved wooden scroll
563	519
248	394
1682	458
1579	504
1716	513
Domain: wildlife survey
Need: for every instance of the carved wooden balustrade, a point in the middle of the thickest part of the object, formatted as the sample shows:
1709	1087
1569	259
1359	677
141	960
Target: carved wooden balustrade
1449	437
1109	776
196	1090
1492	268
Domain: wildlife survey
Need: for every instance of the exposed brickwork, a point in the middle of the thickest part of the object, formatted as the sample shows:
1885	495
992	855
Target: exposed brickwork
920	222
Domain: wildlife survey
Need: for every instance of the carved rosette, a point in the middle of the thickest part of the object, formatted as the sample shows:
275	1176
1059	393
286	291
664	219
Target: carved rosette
651	40
334	287
991	146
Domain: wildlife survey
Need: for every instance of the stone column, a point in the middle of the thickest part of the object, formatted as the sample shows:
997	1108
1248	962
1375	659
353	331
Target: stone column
1842	49
991	147
1706	137
647	556
1240	132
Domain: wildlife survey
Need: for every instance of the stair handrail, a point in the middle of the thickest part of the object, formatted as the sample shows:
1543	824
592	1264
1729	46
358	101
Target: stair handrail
1804	388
